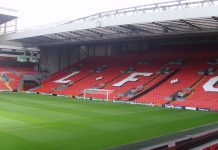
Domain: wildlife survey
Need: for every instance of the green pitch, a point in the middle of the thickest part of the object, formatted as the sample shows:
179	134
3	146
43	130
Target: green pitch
36	122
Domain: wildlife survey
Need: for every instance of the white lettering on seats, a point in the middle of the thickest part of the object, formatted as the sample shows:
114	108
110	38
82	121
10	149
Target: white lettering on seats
64	81
132	78
99	78
209	86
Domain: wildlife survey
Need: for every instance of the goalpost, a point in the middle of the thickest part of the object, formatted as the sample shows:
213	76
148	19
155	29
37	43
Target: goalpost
98	92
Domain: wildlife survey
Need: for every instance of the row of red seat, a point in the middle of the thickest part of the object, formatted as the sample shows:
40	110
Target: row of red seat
212	147
193	61
14	75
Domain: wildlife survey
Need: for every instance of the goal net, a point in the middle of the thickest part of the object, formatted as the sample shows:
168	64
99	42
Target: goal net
97	93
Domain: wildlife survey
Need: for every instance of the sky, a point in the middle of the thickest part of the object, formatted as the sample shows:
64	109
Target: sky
39	12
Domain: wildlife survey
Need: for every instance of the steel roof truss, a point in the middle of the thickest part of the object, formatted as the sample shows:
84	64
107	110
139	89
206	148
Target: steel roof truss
215	18
151	27
105	30
81	35
176	26
165	28
89	34
192	26
72	37
205	24
120	28
54	37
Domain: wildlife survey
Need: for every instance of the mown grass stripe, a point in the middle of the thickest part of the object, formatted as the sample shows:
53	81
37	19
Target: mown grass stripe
28	120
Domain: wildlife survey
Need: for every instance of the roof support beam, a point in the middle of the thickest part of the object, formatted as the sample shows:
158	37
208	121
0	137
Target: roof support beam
72	37
190	24
215	18
165	28
82	36
135	28
177	26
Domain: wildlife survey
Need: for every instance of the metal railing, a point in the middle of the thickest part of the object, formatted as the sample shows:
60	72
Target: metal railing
149	8
156	7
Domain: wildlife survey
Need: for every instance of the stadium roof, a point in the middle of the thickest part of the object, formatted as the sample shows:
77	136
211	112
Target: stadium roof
167	18
7	14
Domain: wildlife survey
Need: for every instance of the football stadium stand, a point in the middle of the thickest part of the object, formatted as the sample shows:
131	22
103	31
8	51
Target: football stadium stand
145	77
11	76
163	54
166	55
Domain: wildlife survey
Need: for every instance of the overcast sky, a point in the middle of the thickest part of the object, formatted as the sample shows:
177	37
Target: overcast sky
39	12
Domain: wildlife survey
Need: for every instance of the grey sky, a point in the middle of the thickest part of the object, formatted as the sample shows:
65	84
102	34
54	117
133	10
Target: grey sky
38	12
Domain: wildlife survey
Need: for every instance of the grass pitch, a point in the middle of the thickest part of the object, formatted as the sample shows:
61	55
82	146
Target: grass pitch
37	122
